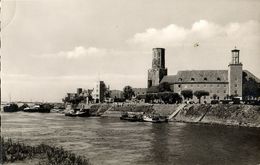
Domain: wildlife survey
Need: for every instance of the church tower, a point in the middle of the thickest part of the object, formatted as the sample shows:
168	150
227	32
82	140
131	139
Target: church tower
158	70
235	74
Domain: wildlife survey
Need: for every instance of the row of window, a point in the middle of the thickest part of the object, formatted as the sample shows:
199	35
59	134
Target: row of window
205	85
205	79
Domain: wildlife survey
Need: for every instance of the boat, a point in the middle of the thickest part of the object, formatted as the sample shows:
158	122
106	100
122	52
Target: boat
79	113
83	113
34	108
11	108
159	119
147	118
131	117
70	113
155	119
42	108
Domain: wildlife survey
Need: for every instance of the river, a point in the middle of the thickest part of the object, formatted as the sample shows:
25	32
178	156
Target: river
112	141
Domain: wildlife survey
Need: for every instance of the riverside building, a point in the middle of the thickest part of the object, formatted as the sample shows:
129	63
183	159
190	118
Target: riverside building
234	81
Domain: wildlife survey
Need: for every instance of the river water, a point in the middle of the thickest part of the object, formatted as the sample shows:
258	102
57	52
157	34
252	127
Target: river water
112	141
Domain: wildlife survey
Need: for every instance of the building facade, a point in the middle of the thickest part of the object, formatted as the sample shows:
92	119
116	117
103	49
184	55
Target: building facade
219	83
99	92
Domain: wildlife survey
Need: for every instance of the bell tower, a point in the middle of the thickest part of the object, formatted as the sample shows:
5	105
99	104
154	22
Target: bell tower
235	74
158	70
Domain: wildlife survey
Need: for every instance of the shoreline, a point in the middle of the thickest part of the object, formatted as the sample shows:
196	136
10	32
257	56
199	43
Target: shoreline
221	114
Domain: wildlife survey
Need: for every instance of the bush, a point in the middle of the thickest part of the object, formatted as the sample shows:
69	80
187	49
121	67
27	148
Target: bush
214	102
12	151
236	101
225	101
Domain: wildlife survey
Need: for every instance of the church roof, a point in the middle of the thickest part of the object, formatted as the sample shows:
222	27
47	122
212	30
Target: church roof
195	76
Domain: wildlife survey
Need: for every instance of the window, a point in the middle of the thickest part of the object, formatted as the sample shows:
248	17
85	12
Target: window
205	79
192	79
191	85
180	79
224	85
235	85
179	85
224	91
235	91
205	85
218	79
217	85
198	85
205	97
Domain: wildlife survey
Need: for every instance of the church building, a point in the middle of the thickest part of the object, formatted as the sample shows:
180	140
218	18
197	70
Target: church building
219	83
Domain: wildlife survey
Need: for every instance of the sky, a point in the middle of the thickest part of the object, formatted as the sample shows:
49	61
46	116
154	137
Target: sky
51	47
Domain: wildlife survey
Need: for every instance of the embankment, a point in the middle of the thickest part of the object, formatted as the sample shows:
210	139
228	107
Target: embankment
238	115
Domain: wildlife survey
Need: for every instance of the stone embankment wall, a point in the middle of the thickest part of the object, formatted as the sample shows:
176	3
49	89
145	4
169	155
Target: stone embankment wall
240	115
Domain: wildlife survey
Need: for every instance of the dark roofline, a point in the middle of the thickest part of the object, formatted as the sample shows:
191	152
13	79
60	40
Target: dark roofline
159	48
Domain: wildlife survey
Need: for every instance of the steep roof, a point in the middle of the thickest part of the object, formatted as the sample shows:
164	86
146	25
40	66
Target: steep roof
250	75
193	76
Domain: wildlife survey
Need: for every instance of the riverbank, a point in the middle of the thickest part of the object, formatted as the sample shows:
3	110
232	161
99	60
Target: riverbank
225	114
15	152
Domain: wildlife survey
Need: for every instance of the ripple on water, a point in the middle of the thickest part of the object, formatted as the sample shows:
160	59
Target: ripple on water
112	141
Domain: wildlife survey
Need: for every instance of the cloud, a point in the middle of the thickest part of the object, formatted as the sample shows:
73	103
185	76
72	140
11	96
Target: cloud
202	30
81	51
78	52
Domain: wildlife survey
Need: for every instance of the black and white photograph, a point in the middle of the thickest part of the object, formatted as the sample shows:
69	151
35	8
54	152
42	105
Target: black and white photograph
130	82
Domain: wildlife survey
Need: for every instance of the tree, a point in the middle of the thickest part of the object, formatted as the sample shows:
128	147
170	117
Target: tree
169	97
214	96
201	93
128	92
107	93
153	89
165	86
187	94
150	97
250	88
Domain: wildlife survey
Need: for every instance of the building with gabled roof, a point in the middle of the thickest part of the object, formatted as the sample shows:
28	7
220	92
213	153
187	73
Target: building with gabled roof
219	83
